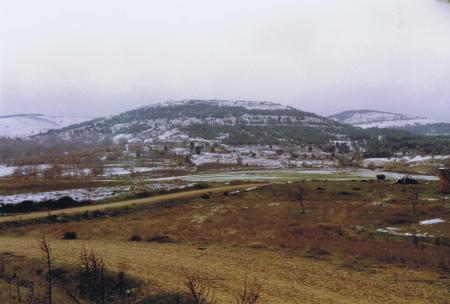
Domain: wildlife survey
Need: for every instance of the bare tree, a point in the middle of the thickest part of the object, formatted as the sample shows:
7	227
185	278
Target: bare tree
92	277
443	198
298	194
16	281
45	248
414	199
381	195
249	294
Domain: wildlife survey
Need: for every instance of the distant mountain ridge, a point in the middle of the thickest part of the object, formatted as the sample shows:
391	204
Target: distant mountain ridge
24	125
378	119
212	123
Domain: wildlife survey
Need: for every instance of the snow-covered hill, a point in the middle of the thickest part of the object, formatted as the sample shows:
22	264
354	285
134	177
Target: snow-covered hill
24	125
181	121
377	119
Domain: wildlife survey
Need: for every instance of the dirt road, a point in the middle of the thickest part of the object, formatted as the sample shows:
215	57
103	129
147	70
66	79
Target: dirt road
122	204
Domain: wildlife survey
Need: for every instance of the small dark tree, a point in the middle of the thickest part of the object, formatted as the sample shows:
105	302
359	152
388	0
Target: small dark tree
45	248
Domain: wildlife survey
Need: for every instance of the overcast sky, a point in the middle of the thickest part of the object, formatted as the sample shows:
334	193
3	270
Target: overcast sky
100	57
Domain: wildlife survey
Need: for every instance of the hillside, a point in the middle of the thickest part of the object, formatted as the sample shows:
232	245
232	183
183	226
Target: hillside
377	119
23	125
232	122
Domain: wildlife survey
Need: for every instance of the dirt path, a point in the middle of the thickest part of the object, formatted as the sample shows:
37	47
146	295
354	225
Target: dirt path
285	278
122	204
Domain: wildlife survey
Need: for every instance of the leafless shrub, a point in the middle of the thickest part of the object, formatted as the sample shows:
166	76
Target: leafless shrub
249	294
198	291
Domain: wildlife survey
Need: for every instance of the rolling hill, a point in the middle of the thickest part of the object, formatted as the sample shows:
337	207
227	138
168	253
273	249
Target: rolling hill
23	125
377	119
231	122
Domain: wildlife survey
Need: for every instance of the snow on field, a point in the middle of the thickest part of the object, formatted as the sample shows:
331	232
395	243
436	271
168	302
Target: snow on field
9	170
404	159
32	124
119	137
93	194
234	158
418	159
112	171
432	221
6	171
378	161
262	162
287	175
393	175
398	231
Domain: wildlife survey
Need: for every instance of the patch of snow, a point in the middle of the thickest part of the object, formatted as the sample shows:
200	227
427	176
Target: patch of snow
112	171
432	221
273	204
92	194
119	137
234	192
397	231
6	171
398	123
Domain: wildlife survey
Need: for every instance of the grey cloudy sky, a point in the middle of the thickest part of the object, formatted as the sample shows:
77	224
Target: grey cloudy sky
99	57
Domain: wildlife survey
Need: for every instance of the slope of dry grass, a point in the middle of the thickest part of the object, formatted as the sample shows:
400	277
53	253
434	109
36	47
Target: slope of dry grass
286	278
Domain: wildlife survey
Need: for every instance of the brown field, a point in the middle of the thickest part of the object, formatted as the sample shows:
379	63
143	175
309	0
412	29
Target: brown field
332	253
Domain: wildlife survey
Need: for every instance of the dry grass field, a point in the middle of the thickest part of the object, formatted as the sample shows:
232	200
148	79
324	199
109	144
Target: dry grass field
332	252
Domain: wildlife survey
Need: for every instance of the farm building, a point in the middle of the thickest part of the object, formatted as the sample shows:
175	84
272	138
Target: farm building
444	180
